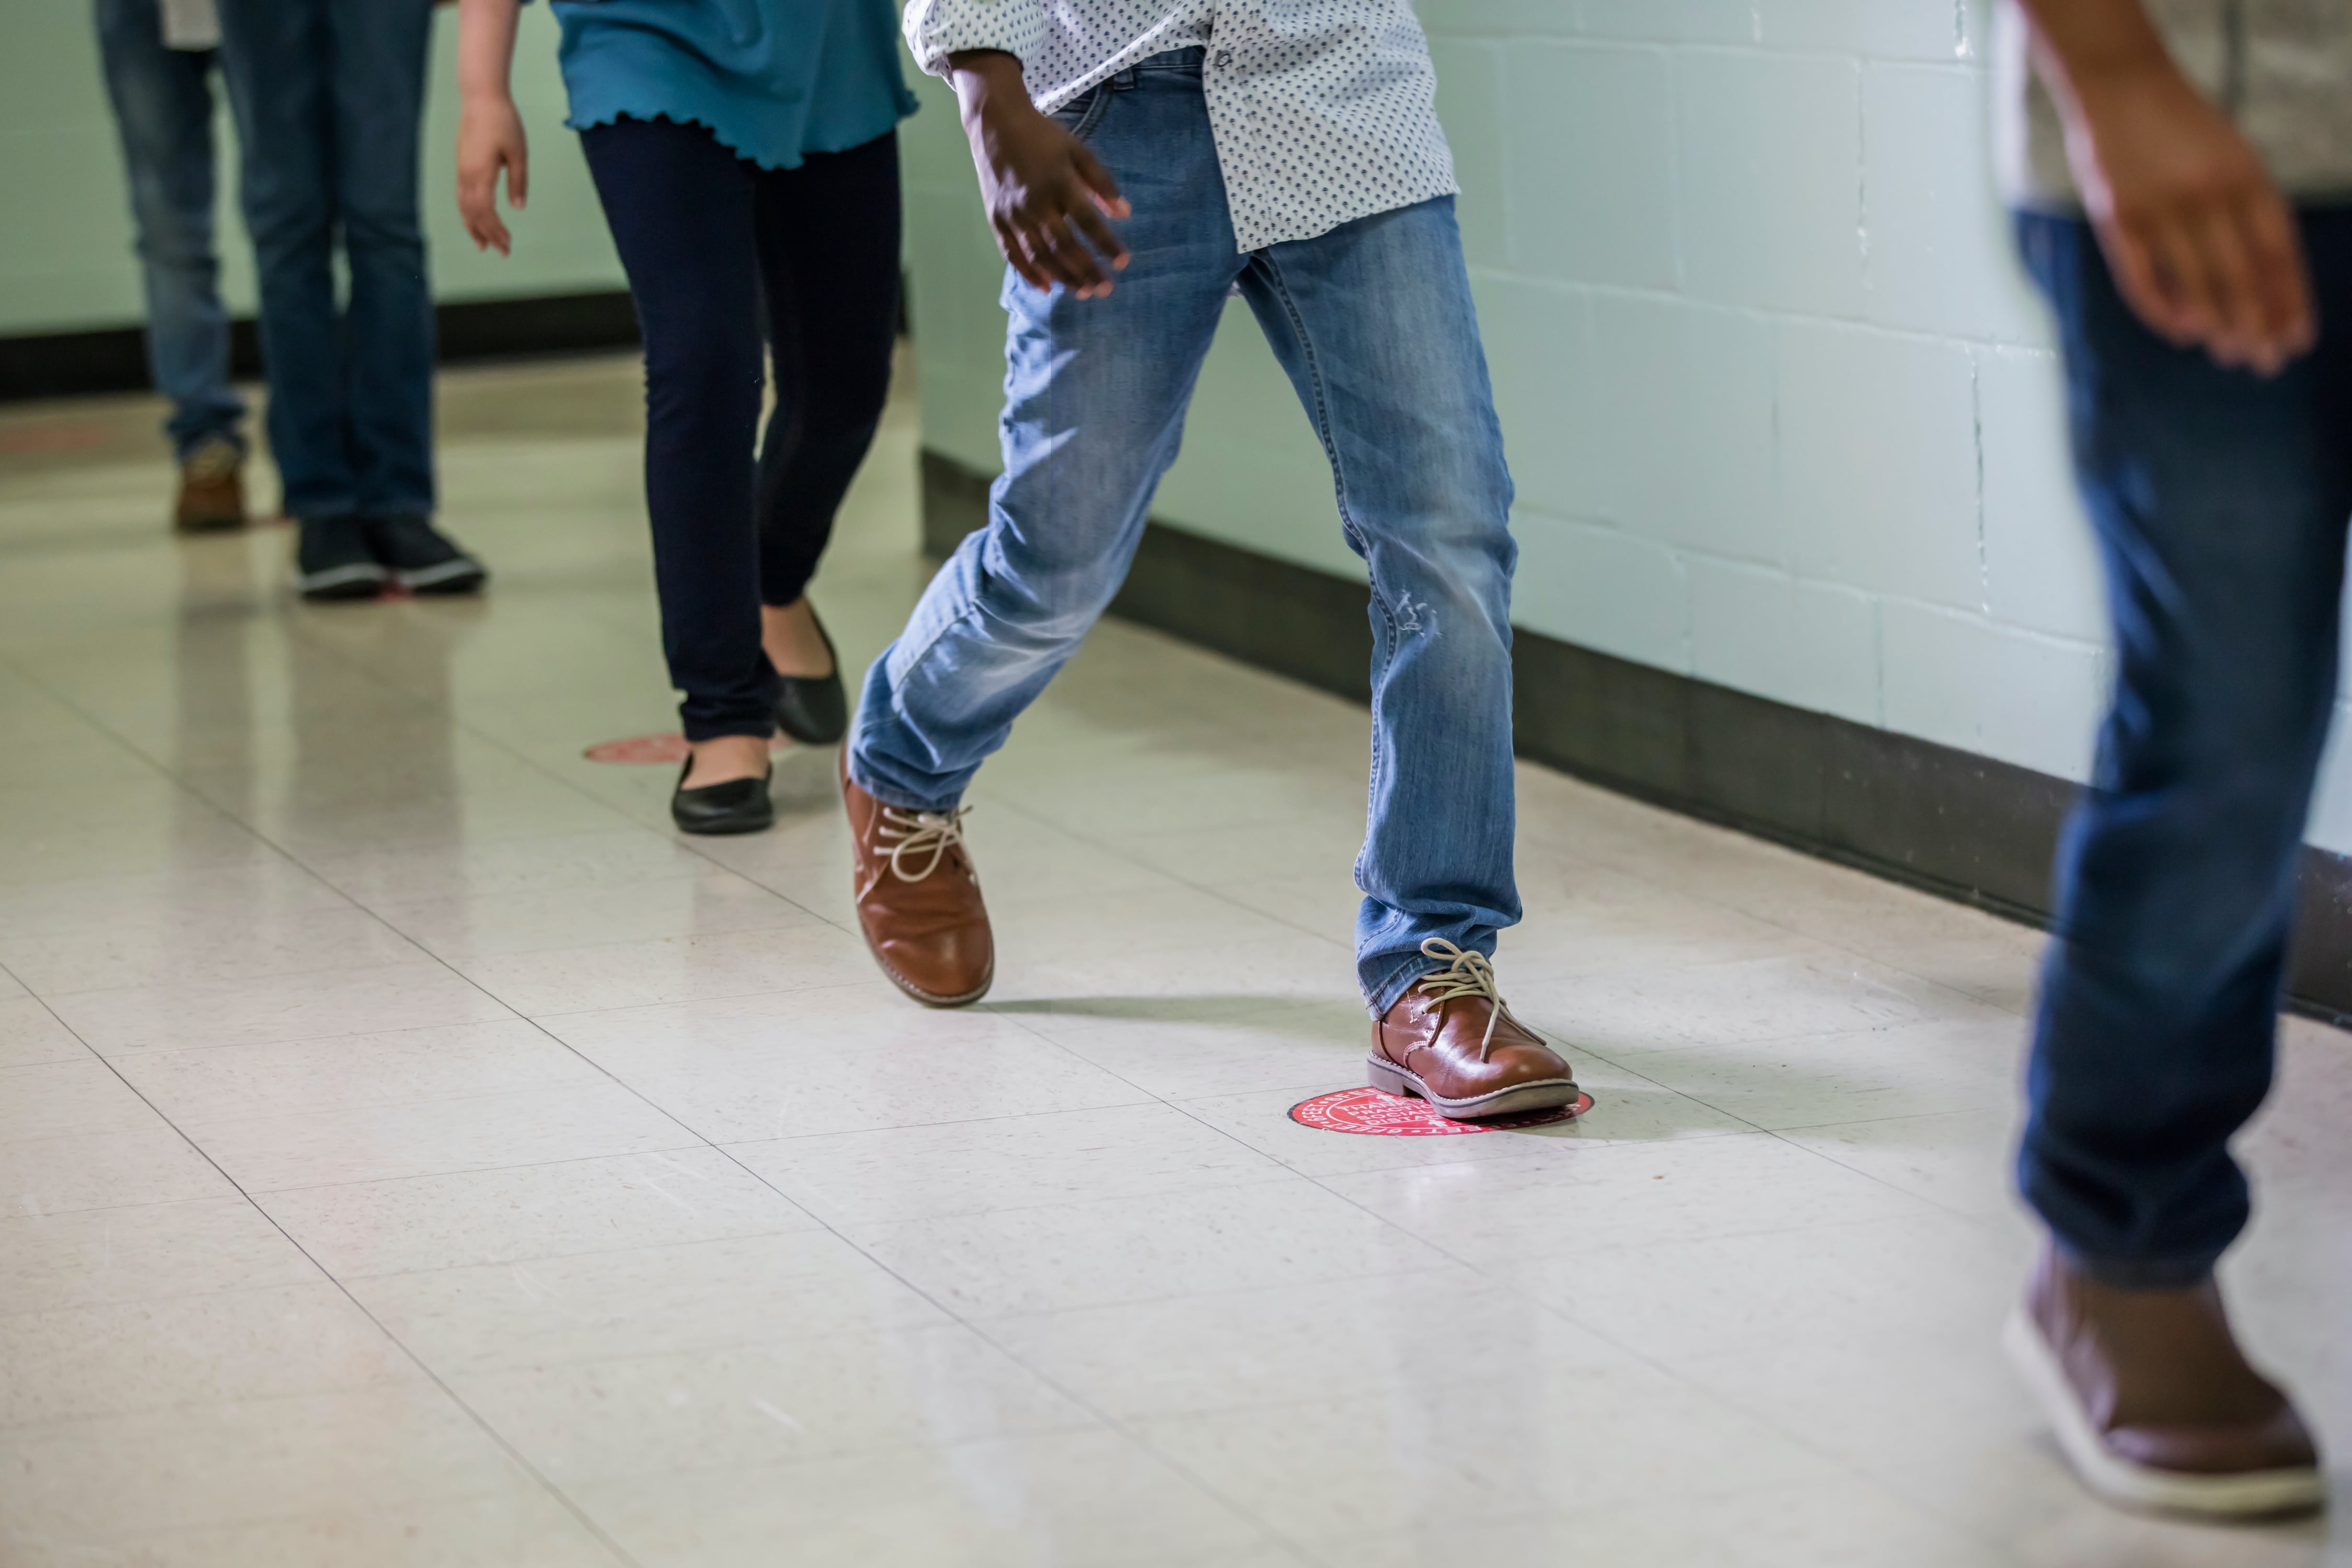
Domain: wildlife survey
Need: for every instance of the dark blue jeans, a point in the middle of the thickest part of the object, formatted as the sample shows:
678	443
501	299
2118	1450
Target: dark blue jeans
327	95
2221	503
163	107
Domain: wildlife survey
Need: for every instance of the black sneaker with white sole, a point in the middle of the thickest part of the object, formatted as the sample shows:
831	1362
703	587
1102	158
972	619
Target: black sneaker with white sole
334	561
421	558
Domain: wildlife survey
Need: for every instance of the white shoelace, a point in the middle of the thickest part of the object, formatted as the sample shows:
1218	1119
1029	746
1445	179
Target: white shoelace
1466	975
918	832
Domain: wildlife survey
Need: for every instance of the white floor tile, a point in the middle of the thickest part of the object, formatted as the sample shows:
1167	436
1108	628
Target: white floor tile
1064	1501
152	1164
855	1181
90	1258
688	1298
30	1034
1143	1248
890	1390
435	1137
77	1362
567	1136
569	1206
196	1013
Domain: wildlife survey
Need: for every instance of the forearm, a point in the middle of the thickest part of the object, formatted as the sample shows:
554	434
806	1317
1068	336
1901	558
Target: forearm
486	42
2084	43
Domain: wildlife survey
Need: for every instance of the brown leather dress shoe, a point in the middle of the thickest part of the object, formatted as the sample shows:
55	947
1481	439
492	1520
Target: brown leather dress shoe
2154	1404
211	487
919	899
1450	1041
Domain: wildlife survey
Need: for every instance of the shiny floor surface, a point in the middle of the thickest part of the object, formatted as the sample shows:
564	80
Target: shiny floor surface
413	1152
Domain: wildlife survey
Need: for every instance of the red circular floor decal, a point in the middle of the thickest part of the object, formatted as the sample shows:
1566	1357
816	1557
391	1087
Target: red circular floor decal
640	749
1368	1111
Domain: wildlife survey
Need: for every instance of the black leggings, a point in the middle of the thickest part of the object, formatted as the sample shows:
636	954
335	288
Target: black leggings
705	236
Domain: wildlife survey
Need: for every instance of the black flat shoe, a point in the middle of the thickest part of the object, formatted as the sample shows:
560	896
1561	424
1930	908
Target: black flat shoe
739	805
813	708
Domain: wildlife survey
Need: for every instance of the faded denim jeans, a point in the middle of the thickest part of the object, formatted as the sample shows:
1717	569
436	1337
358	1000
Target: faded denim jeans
163	109
1374	325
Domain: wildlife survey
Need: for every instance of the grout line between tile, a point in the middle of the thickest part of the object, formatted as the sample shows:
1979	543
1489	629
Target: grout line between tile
513	1454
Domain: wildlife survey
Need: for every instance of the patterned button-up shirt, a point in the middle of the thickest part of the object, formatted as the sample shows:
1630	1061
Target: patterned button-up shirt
1322	109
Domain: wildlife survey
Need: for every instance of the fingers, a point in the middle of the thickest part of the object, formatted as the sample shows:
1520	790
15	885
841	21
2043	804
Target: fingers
2143	274
1102	236
1099	182
517	178
1010	240
478	208
2227	277
1077	263
1052	247
2282	284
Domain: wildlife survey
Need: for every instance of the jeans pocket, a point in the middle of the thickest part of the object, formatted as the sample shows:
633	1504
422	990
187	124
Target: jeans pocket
1082	114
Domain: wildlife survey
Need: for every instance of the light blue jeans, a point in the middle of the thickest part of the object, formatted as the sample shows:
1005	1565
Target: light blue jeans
163	109
1374	322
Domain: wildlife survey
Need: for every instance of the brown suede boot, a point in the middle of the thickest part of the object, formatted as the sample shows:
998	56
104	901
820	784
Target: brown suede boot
918	900
211	487
1450	1041
2154	1403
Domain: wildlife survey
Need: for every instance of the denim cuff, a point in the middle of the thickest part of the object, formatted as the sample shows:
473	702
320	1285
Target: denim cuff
1381	999
896	797
2144	1273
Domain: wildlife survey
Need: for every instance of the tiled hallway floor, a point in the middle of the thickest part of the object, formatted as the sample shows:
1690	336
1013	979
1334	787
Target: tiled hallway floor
412	1152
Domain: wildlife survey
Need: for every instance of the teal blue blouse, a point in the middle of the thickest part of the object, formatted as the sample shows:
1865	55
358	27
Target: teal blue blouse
775	80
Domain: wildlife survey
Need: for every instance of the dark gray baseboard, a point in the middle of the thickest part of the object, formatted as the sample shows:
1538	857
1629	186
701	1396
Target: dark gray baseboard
1948	822
69	364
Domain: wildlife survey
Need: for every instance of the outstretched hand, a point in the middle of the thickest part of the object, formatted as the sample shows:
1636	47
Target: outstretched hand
1049	198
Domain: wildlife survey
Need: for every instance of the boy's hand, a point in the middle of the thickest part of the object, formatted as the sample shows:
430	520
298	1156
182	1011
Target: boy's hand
1048	197
2202	246
490	138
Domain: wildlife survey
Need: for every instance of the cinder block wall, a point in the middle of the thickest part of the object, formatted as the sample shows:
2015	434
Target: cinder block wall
1782	406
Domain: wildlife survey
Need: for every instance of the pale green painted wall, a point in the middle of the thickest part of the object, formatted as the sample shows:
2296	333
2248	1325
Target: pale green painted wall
1781	410
65	249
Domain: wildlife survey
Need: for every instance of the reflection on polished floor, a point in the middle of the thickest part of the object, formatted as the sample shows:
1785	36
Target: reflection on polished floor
413	1152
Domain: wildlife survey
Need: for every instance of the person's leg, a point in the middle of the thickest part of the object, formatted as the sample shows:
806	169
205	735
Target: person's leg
1096	392
1094	398
162	102
2221	501
680	208
829	254
276	56
1374	324
379	49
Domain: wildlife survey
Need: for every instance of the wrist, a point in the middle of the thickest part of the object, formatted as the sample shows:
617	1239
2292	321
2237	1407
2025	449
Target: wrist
986	81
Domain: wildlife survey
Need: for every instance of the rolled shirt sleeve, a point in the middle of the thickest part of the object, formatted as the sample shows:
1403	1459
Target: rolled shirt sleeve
938	28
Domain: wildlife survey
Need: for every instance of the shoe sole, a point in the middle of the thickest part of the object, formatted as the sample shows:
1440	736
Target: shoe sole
449	577
726	829
928	999
2119	1480
342	582
1542	1094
